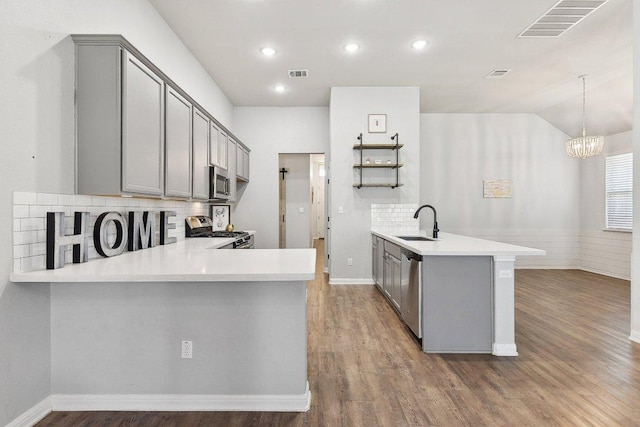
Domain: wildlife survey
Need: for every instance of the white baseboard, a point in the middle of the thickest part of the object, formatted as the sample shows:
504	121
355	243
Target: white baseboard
182	402
504	349
33	415
635	336
604	273
344	281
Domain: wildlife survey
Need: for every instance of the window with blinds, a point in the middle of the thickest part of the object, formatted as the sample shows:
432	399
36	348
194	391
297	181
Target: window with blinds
619	188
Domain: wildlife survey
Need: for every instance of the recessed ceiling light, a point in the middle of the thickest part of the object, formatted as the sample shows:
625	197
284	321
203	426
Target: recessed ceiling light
351	47
268	51
419	44
279	88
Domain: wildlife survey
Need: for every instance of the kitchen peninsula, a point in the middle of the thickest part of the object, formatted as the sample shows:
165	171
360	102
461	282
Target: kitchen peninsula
118	323
465	294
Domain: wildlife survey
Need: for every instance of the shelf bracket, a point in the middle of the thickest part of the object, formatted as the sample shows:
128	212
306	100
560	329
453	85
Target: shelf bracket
397	140
361	150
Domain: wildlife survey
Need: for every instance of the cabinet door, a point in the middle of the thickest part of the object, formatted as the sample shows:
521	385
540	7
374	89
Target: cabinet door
200	156
374	257
142	128
231	170
246	165
387	283
213	144
396	288
239	161
177	145
380	264
222	150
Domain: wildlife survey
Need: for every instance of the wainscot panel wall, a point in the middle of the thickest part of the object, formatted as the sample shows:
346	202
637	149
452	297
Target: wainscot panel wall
37	133
459	151
604	252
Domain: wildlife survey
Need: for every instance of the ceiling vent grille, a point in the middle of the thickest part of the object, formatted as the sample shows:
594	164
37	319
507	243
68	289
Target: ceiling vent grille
298	74
561	17
497	74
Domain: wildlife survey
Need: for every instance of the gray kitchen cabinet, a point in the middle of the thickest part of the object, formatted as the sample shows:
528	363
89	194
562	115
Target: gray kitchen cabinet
134	127
119	122
200	185
457	304
222	150
178	155
231	170
378	262
387	270
213	143
242	163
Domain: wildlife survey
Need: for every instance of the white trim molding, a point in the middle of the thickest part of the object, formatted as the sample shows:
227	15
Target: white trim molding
181	402
504	350
347	281
635	336
33	415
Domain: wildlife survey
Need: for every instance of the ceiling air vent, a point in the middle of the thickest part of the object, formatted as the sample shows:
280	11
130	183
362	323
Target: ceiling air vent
496	74
562	16
298	74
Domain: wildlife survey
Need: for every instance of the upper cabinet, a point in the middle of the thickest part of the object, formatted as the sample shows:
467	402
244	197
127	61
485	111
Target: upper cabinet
177	145
200	185
137	132
223	152
242	163
231	171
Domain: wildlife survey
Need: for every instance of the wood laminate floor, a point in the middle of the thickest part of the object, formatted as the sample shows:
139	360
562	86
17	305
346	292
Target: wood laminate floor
576	365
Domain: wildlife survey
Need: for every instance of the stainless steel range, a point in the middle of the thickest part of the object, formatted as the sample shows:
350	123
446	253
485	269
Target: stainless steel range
202	226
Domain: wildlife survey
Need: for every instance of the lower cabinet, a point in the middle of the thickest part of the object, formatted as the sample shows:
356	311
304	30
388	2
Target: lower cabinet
392	266
377	261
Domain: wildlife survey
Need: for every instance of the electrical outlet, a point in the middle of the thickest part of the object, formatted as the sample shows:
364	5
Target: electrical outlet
187	349
301	210
349	261
340	209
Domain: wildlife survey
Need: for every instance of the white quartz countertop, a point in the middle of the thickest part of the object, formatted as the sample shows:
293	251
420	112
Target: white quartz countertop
455	244
189	260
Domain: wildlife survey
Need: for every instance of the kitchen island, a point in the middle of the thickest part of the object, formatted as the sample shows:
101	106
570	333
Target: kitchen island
466	300
117	326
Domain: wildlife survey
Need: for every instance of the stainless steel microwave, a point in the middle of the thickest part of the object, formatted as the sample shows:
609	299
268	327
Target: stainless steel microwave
219	185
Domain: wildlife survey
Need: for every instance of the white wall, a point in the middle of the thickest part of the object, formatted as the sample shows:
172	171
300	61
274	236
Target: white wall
351	230
37	134
459	151
635	255
603	252
298	196
269	131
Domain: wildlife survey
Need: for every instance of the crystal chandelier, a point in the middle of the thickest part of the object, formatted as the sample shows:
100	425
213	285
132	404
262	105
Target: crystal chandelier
584	146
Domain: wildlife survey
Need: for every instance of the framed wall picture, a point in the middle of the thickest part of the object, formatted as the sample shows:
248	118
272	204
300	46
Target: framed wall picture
220	216
497	189
377	123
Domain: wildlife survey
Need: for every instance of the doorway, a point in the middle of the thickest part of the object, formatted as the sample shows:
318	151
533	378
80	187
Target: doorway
302	201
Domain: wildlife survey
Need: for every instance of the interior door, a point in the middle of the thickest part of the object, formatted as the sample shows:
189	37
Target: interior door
318	200
282	210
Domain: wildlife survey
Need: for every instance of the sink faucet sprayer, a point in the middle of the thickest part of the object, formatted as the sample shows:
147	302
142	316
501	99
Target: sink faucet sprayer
435	218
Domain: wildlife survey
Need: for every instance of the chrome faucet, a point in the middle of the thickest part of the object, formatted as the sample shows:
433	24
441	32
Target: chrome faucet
435	218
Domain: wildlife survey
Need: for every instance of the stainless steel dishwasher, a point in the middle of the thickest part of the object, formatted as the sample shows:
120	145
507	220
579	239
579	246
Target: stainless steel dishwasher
411	301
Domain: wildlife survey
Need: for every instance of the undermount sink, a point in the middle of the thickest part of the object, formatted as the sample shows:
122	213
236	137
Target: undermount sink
419	238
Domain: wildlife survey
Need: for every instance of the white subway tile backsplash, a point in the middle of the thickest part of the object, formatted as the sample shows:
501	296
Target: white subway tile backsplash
27	224
67	199
46	199
98	201
24	198
82	200
30	211
394	217
21	251
24	237
20	211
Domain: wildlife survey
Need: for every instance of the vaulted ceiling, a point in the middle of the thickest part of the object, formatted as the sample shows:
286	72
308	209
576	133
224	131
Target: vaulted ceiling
467	40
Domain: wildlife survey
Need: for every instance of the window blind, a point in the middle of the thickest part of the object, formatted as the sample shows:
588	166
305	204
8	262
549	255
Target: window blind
619	189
